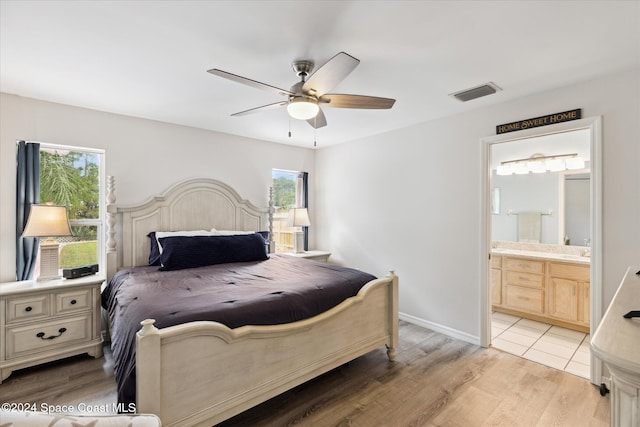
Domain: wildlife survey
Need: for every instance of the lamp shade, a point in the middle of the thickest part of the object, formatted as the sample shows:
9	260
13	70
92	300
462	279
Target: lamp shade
303	108
47	221
298	217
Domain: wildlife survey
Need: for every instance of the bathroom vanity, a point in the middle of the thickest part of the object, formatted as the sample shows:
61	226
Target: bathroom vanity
545	286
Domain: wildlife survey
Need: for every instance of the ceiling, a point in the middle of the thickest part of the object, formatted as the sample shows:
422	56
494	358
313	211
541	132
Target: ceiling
149	58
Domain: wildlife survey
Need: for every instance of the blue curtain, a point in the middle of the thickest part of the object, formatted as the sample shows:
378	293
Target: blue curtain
28	193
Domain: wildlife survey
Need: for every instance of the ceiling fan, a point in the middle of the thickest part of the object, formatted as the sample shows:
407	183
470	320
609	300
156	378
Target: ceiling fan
305	97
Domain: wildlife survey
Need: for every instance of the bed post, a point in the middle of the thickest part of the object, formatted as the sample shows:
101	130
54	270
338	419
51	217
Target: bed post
112	261
272	243
148	380
392	349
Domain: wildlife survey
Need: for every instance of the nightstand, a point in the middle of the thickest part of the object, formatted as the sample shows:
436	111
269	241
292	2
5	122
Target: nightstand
315	255
49	320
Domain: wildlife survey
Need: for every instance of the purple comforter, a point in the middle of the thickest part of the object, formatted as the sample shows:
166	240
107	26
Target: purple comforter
282	289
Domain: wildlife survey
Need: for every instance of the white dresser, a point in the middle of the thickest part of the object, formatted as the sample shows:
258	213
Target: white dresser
617	343
45	321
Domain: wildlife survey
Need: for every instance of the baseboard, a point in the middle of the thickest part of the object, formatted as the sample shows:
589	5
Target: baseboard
454	333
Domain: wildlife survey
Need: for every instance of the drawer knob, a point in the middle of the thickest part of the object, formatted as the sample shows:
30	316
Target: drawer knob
29	308
73	302
41	335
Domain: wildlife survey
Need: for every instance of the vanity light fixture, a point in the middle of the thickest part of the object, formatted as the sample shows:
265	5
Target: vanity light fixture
539	163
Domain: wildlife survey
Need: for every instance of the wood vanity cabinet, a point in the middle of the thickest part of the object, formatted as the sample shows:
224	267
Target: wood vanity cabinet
568	286
496	280
523	285
555	292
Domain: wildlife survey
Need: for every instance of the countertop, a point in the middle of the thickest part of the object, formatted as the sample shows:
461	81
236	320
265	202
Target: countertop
547	256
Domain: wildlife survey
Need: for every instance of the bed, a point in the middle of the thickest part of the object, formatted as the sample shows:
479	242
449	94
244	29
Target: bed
194	371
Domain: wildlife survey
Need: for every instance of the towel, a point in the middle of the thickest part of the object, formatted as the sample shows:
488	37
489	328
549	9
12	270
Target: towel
529	227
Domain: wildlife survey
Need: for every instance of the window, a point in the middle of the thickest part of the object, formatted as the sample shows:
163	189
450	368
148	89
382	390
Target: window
289	190
74	177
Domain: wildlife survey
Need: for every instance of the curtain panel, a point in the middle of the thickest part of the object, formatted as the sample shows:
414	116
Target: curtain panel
28	193
305	204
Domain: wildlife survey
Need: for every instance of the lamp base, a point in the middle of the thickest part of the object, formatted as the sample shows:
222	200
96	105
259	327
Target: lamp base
49	261
298	242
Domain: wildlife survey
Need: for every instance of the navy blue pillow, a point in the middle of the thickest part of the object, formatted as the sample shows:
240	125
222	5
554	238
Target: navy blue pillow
182	252
154	252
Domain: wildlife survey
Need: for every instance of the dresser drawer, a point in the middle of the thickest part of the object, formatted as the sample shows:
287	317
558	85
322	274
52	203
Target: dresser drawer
524	265
27	307
39	337
527	299
524	279
72	301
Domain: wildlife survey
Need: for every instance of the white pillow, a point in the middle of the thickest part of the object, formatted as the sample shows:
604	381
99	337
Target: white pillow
229	232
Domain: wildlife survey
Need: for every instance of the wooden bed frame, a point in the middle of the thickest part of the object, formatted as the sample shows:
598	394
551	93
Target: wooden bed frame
202	373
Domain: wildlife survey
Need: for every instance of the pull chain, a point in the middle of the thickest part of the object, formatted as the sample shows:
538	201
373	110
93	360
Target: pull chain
289	126
315	130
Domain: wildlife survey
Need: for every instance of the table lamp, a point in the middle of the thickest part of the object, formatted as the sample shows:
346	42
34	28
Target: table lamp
298	217
48	221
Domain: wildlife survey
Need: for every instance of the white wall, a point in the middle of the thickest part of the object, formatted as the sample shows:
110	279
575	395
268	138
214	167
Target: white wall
145	156
410	200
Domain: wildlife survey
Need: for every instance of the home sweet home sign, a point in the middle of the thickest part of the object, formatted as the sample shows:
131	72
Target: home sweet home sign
549	119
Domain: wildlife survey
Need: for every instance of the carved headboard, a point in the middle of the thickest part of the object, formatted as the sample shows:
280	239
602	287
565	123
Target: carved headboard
196	204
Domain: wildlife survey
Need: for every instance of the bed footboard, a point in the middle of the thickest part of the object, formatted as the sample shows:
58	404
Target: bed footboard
201	373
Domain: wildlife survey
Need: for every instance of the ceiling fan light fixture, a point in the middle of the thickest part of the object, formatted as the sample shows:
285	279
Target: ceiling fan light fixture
303	107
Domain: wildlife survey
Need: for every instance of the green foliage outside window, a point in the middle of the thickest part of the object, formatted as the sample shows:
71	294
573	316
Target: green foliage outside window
72	180
284	193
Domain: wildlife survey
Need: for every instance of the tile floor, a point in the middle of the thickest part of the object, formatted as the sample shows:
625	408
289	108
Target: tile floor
549	345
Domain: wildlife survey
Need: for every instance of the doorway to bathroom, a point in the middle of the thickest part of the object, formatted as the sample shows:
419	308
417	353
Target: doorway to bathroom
542	241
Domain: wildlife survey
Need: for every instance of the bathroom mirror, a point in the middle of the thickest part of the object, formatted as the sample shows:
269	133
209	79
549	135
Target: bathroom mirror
577	203
562	198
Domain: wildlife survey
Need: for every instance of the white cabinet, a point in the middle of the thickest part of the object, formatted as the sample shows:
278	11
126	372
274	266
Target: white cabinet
617	343
45	321
315	255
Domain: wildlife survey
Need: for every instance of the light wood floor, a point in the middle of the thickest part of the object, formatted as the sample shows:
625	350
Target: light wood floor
436	381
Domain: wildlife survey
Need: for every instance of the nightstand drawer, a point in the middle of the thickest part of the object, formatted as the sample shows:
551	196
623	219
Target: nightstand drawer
72	301
27	307
43	336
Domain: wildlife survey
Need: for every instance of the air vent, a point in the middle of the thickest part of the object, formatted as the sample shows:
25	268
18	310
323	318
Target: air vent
476	92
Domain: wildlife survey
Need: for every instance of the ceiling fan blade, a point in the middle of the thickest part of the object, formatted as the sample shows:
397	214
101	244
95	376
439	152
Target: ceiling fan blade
319	121
330	74
261	109
249	82
337	100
